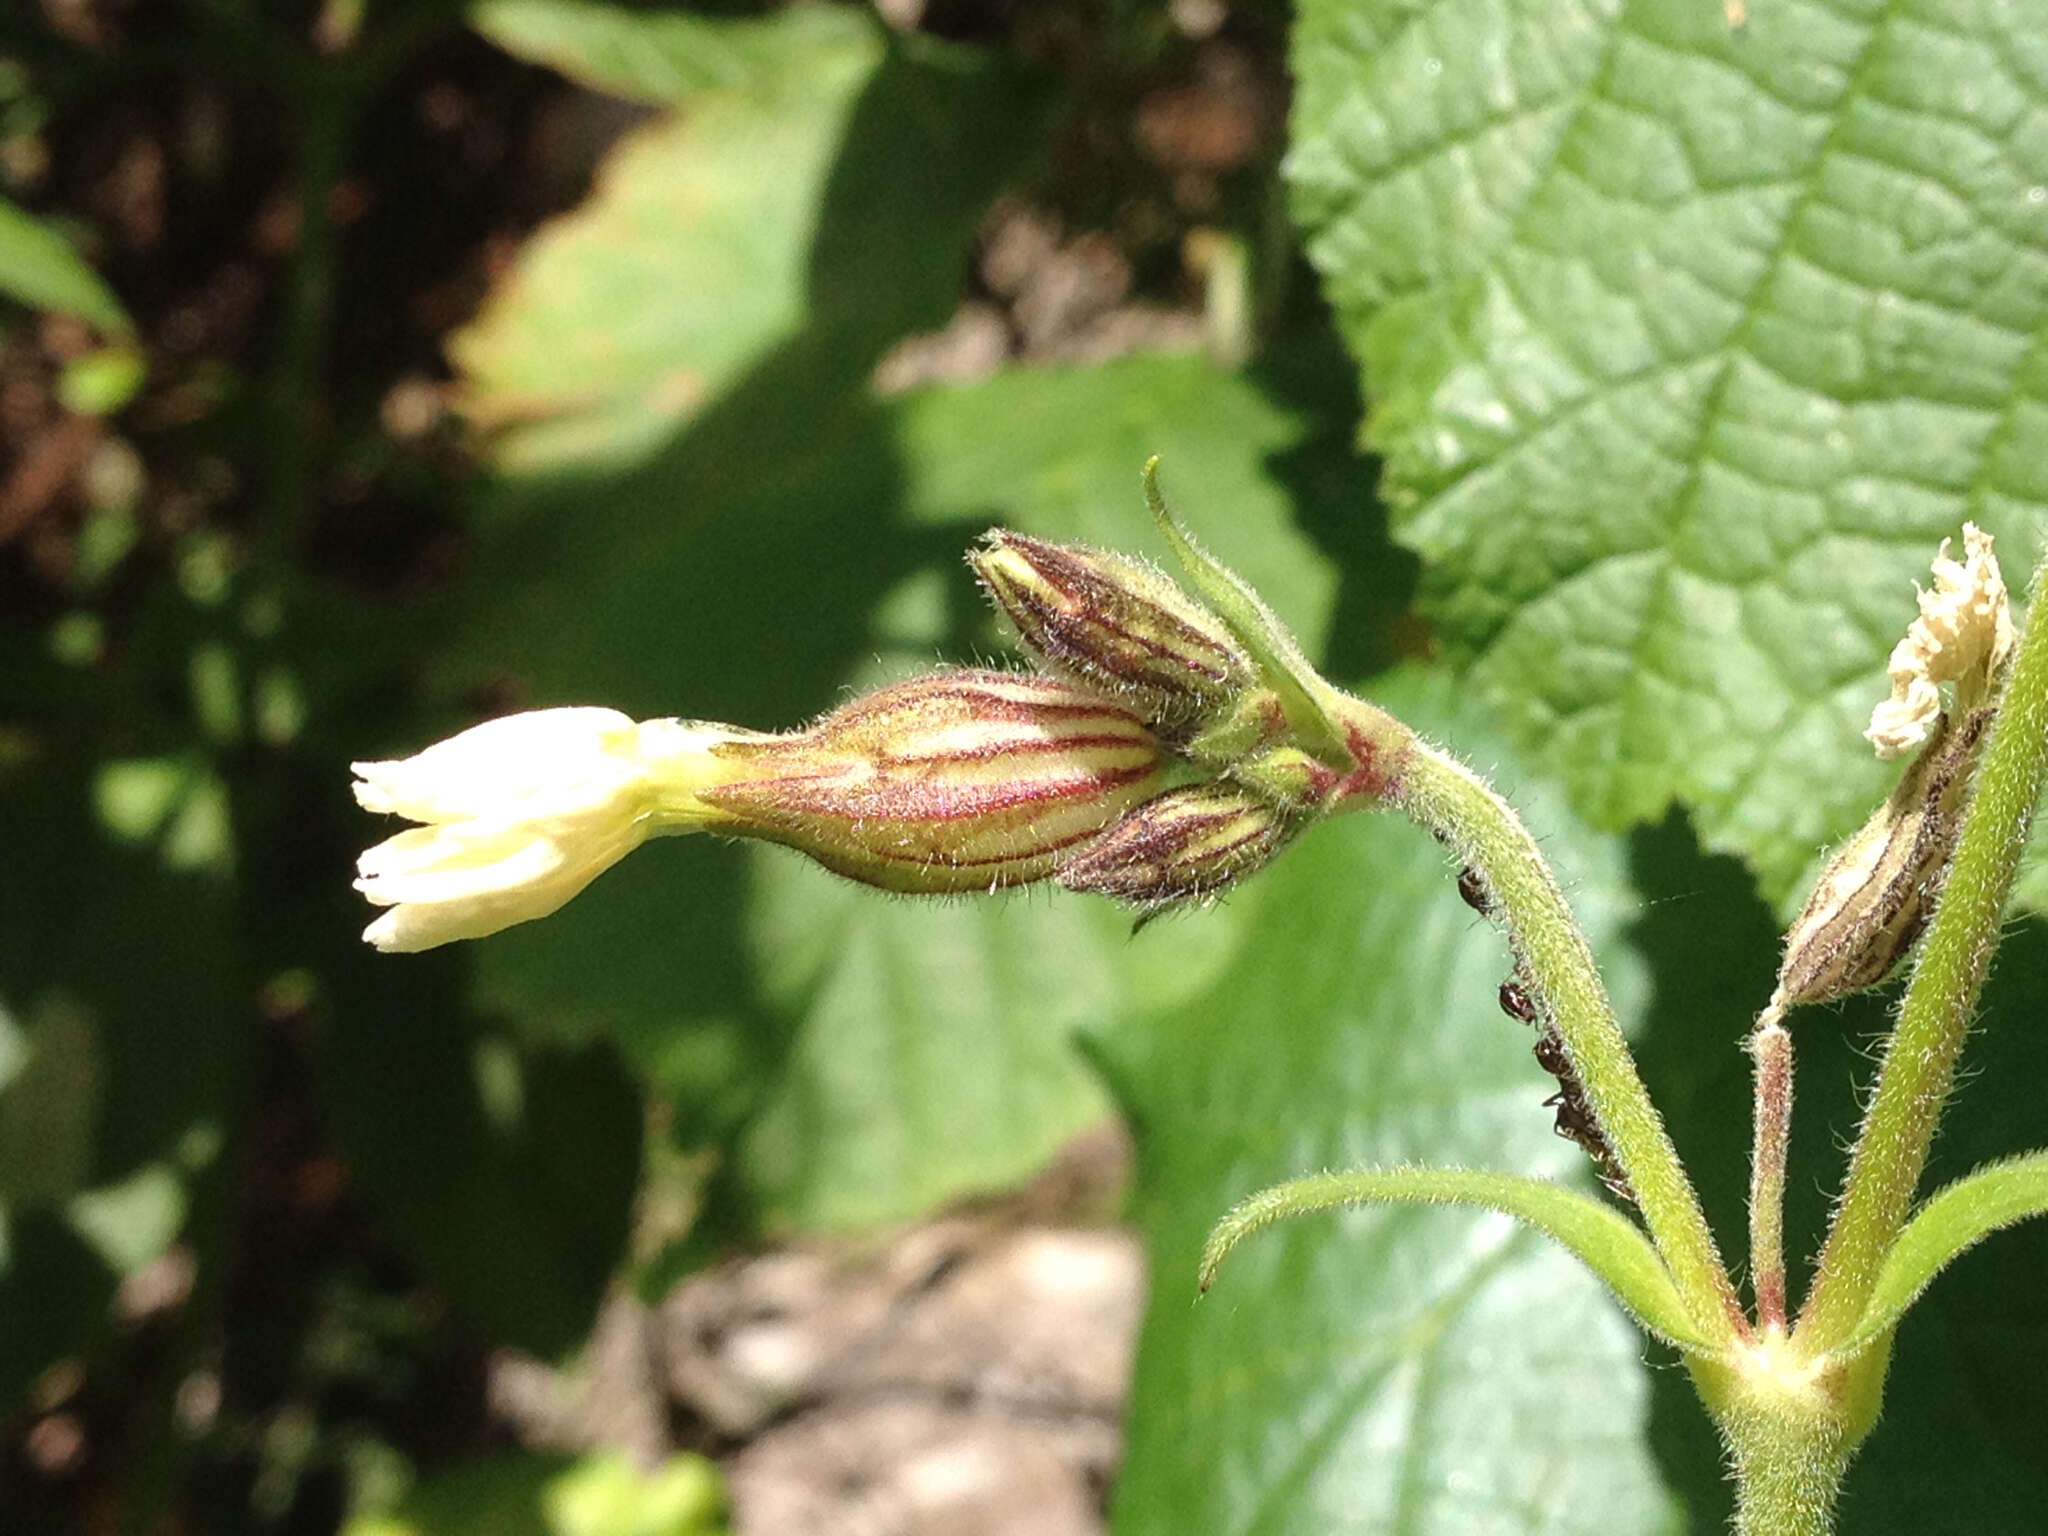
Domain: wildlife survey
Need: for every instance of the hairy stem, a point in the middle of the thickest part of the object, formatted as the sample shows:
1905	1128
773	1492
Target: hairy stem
1771	1047
1918	1073
1787	1474
1452	801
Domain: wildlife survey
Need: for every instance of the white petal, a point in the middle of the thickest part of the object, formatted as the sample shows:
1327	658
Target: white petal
532	755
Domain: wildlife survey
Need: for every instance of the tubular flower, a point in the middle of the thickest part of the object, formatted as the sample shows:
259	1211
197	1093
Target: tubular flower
959	781
956	782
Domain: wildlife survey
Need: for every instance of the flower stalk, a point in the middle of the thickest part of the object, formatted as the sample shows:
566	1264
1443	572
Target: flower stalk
1770	1049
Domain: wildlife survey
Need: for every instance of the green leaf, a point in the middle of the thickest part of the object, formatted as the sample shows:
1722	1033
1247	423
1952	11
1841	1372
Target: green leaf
39	269
1952	1221
930	1050
1601	1238
1389	1369
665	57
1689	339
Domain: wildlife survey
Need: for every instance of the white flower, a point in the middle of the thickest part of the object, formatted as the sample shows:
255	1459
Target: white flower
520	814
1963	635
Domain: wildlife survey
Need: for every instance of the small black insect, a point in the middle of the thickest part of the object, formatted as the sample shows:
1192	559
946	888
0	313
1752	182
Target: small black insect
1473	889
1575	1120
1515	1002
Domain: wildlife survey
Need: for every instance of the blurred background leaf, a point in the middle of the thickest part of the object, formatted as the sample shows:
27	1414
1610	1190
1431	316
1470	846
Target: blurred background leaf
115	963
664	57
600	1495
39	269
688	265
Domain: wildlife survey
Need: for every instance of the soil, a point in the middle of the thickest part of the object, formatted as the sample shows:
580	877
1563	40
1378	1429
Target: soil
966	1375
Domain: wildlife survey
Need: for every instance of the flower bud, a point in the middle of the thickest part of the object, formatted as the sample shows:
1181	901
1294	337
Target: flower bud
1183	845
961	781
1876	894
1872	901
1114	622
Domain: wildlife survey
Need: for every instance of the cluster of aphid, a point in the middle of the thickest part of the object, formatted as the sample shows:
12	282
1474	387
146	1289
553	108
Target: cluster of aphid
1575	1119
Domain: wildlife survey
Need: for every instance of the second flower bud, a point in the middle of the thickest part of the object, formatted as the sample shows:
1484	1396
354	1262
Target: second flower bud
1115	623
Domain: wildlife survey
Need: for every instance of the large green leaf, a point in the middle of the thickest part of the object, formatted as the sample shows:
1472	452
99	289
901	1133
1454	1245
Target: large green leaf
895	1052
747	559
1689	336
932	1045
1386	1369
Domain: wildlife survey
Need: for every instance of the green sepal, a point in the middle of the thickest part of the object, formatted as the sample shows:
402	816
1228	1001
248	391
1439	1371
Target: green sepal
1604	1240
1951	1221
1274	650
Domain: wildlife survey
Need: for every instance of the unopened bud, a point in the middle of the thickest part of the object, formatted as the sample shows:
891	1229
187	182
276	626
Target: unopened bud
1114	622
1183	845
961	781
1876	894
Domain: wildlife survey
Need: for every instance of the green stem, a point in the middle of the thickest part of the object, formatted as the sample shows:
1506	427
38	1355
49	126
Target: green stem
1788	1470
1448	798
1918	1073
